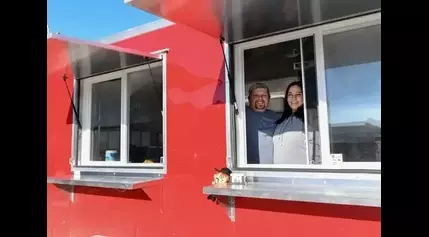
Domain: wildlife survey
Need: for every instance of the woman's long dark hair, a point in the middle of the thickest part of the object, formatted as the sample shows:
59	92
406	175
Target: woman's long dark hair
287	110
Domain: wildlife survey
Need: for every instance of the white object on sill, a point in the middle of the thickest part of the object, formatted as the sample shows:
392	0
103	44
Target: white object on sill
238	178
237	186
337	158
76	174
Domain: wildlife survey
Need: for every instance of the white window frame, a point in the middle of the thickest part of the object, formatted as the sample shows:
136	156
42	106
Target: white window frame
84	162
317	32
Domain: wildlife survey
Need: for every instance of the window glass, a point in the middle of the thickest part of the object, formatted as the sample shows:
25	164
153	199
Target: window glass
353	84
145	116
106	120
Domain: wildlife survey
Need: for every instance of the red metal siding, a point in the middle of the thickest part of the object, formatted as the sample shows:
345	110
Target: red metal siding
201	15
59	136
176	206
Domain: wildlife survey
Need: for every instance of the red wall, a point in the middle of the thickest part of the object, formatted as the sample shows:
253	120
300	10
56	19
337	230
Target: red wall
176	206
58	136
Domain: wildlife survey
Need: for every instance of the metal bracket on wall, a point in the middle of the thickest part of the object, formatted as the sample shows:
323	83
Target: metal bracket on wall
67	188
71	193
231	208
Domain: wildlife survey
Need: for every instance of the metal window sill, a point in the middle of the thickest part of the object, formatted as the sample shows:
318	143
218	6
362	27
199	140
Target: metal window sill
104	181
330	194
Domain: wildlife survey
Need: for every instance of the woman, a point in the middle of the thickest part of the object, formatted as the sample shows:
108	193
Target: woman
289	135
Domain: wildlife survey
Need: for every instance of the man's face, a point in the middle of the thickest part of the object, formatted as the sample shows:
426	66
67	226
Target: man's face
259	100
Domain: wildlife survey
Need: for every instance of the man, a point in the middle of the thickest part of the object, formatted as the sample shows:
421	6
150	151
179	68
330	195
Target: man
260	125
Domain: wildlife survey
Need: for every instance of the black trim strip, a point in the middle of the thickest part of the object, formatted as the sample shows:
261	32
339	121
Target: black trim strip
76	113
230	78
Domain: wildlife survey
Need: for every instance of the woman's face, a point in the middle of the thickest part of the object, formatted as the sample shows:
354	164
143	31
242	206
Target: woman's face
294	97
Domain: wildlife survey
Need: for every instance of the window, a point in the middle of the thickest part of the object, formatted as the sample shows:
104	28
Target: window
276	66
122	118
145	116
353	86
105	120
310	99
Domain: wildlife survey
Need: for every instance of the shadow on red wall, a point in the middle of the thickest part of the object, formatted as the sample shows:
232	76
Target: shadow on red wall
219	93
137	194
311	209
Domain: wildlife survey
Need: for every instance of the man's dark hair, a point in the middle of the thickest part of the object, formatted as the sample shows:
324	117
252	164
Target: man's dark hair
258	85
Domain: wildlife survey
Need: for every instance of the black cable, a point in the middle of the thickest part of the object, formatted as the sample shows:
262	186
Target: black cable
230	79
71	100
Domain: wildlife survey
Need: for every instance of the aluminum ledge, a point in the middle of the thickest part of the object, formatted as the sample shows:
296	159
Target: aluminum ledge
358	196
104	181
